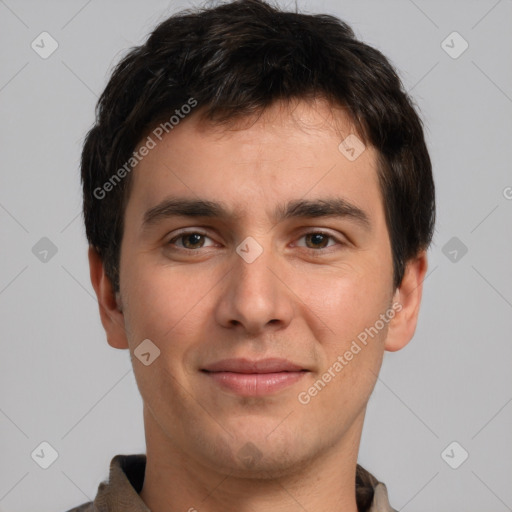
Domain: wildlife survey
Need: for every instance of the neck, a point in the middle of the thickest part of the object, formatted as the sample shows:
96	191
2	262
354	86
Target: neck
175	481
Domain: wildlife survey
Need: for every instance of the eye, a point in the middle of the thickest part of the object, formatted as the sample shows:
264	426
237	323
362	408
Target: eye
318	239
190	241
194	240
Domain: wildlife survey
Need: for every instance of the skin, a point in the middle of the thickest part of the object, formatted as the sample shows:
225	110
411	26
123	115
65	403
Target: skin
302	299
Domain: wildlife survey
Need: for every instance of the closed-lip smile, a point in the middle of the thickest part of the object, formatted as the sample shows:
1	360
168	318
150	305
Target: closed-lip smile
254	377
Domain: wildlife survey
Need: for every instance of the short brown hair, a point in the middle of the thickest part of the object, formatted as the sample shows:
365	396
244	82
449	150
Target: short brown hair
237	59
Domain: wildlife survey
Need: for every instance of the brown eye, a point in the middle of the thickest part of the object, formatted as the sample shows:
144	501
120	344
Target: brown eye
318	240
190	241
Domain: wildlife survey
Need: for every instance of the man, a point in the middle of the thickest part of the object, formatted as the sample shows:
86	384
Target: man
258	200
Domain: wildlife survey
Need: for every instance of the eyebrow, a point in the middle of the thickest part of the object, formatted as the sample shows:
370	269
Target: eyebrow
300	208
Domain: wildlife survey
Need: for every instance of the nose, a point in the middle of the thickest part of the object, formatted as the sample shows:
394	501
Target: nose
255	296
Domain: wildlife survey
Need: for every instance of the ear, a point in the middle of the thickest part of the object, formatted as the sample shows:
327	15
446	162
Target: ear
406	303
111	313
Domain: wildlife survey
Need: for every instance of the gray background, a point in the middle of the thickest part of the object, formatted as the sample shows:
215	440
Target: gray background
62	383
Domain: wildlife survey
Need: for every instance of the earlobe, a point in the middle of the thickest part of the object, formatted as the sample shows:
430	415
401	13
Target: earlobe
110	305
408	297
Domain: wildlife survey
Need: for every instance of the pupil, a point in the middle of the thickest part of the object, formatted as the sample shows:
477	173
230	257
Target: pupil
317	238
192	236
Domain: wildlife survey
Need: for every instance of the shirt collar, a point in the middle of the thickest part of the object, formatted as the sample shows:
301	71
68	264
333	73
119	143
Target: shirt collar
121	492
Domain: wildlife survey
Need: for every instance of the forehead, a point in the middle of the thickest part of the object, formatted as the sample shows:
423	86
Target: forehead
286	154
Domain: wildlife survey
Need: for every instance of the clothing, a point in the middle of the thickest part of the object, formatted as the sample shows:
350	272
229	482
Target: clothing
121	492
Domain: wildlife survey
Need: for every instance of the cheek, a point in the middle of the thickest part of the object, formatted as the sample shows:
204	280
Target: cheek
165	304
353	347
151	288
353	352
348	301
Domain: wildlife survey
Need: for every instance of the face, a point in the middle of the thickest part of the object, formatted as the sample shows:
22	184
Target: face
257	304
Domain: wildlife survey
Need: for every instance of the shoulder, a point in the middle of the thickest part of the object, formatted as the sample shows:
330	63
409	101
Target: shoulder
85	507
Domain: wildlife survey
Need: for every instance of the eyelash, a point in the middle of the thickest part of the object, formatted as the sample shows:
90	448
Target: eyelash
315	232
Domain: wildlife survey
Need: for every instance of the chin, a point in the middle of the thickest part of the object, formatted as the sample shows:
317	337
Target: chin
256	456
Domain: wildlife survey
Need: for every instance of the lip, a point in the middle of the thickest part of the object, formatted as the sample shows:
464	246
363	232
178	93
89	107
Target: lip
269	365
254	378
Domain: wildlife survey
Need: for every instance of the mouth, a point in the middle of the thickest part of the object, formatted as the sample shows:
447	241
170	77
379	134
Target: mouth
254	378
